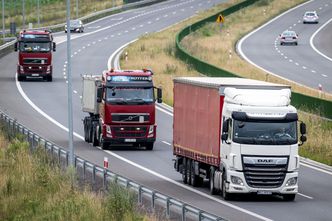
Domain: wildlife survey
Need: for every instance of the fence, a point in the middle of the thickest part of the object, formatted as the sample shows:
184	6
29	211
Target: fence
300	101
100	177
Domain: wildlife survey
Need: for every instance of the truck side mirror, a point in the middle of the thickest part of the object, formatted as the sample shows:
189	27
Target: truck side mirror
54	46
225	126
159	95
303	128
15	46
99	94
303	139
224	137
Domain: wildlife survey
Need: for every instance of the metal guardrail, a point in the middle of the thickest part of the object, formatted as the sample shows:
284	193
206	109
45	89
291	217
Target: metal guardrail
100	177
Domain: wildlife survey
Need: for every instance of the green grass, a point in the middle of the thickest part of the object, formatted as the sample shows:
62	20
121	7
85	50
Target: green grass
51	11
33	187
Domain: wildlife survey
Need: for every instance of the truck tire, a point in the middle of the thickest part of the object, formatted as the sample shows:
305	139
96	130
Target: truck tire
184	170
95	141
20	78
288	197
224	193
188	171
49	78
149	146
213	190
196	180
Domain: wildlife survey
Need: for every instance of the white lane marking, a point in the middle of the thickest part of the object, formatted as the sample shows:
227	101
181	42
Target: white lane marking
324	75
188	187
165	142
313	71
304	67
312	40
290	60
297	64
116	19
306	196
75	92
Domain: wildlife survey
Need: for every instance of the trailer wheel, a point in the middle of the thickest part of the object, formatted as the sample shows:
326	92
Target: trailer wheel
87	129
224	193
184	170
213	190
189	171
196	180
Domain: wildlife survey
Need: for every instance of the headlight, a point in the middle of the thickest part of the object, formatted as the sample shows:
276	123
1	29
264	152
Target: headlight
151	131
291	181
237	180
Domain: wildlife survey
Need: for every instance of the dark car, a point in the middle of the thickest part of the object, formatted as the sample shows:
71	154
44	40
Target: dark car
75	26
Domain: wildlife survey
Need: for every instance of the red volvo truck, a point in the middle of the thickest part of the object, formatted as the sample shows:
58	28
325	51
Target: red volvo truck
121	107
34	54
239	134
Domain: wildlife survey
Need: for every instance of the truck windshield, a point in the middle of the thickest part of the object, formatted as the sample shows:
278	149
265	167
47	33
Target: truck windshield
35	46
265	132
129	95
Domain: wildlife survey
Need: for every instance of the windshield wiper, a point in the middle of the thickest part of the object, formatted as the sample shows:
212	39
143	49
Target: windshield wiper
137	100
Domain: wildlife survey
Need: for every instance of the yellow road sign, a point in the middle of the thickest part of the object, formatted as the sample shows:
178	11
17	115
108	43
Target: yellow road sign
220	19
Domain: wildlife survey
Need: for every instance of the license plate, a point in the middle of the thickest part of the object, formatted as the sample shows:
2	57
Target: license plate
130	140
35	75
264	192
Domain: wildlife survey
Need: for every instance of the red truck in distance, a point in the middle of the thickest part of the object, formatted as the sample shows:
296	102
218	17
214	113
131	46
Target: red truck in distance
34	54
121	107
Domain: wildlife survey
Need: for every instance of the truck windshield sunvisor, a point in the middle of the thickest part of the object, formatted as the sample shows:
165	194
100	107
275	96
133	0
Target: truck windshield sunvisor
242	116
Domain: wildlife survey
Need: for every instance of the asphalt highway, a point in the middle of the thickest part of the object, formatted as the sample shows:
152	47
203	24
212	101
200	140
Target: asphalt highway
307	63
42	107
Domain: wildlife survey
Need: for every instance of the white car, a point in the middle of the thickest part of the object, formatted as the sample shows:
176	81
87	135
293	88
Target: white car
310	17
288	37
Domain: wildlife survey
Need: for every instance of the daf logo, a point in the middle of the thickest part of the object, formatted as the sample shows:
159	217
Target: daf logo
265	161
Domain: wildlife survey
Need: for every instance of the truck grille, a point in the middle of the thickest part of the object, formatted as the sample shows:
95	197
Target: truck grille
264	172
130	132
131	118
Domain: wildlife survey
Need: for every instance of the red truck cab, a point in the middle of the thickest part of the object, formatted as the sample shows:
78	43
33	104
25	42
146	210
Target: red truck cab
126	110
34	54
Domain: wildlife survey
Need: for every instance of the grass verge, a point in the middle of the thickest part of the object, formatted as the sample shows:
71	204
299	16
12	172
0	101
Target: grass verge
33	187
157	51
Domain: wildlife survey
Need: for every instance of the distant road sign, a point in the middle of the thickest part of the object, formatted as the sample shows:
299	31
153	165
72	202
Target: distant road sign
220	19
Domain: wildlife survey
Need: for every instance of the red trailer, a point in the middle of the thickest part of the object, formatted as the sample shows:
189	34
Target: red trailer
228	130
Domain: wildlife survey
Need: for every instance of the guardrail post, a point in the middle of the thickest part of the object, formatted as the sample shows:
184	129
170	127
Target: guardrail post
67	159
153	200
183	218
168	212
84	170
200	215
94	175
105	179
59	156
140	194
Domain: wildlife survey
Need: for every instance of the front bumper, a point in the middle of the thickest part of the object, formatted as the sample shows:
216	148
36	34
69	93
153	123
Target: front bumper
283	189
129	141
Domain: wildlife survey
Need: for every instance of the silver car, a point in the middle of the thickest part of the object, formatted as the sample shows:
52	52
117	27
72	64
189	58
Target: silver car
310	17
288	37
75	26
